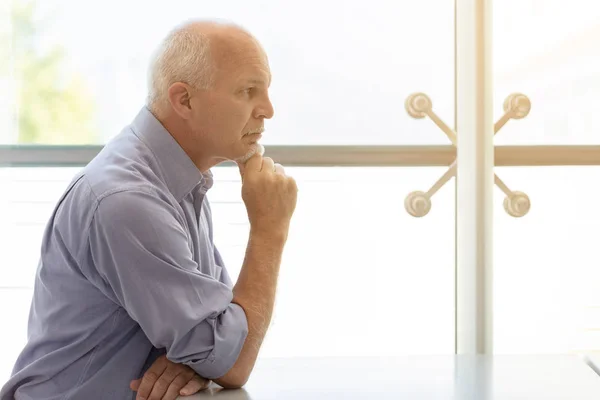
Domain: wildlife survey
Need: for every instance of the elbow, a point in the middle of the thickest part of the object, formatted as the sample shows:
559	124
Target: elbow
233	379
232	384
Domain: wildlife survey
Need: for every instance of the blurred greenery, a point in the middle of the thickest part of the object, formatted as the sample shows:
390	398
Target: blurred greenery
53	104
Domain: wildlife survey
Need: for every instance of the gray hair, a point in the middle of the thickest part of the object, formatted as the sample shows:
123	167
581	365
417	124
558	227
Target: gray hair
183	56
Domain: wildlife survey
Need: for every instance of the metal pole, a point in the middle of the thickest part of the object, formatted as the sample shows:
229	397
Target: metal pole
475	179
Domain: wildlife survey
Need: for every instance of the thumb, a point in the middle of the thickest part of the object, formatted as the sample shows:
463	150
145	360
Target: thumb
135	385
252	160
194	386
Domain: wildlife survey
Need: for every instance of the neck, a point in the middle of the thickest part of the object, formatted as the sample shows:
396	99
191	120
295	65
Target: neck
178	129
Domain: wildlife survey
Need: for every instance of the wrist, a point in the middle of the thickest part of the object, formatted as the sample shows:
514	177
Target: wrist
275	235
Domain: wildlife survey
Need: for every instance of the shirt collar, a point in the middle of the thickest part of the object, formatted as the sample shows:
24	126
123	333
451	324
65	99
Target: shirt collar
178	171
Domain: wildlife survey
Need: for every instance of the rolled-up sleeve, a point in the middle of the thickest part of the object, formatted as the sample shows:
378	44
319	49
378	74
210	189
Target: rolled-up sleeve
141	249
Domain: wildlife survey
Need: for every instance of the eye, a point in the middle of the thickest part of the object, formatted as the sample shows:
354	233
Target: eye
248	91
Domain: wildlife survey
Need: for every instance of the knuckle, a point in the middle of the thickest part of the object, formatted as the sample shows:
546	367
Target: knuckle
151	376
144	389
179	368
180	382
163	382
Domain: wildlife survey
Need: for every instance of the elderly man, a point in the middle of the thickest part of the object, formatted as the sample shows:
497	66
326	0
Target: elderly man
129	283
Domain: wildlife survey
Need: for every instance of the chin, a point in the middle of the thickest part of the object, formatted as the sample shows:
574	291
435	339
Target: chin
255	148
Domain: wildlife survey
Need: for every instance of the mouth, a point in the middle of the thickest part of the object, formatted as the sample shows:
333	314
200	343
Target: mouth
255	132
253	137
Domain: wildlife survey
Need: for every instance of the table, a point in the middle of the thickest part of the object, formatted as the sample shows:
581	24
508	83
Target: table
593	361
463	377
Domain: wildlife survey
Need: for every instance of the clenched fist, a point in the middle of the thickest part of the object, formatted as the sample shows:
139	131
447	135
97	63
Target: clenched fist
269	194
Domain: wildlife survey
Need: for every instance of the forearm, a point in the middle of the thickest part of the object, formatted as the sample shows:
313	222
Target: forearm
255	293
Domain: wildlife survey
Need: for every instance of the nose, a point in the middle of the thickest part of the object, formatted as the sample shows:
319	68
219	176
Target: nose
265	109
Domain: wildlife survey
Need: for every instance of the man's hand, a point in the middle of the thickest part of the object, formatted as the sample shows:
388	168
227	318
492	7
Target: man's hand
269	195
166	380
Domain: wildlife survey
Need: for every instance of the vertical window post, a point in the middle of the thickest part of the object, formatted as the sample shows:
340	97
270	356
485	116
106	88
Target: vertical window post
475	161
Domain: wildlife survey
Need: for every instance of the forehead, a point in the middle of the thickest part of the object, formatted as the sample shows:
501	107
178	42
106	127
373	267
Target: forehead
253	73
241	58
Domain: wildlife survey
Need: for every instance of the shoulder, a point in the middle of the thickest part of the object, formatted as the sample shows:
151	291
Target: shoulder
140	205
125	163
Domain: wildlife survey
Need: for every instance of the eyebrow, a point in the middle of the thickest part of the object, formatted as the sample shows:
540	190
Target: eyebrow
255	81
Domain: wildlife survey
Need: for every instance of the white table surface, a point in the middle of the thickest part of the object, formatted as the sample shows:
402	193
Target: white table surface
593	361
418	378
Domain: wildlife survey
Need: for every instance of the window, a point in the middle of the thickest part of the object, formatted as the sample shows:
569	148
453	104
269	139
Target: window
385	281
545	263
70	80
549	52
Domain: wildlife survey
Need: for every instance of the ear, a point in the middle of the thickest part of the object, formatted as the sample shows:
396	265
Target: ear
179	97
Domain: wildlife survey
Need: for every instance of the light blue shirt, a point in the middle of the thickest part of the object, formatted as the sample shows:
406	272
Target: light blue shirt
128	271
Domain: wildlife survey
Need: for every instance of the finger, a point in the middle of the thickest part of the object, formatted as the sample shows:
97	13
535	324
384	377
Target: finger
177	385
164	381
241	163
135	384
292	183
197	384
253	164
279	169
150	378
268	164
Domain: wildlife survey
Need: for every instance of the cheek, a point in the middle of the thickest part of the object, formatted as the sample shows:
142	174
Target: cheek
238	120
227	119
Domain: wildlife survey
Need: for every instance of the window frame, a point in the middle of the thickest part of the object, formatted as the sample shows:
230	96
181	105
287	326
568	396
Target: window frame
476	157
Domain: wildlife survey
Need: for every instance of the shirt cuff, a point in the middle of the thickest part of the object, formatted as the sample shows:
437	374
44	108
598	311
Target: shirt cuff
230	330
